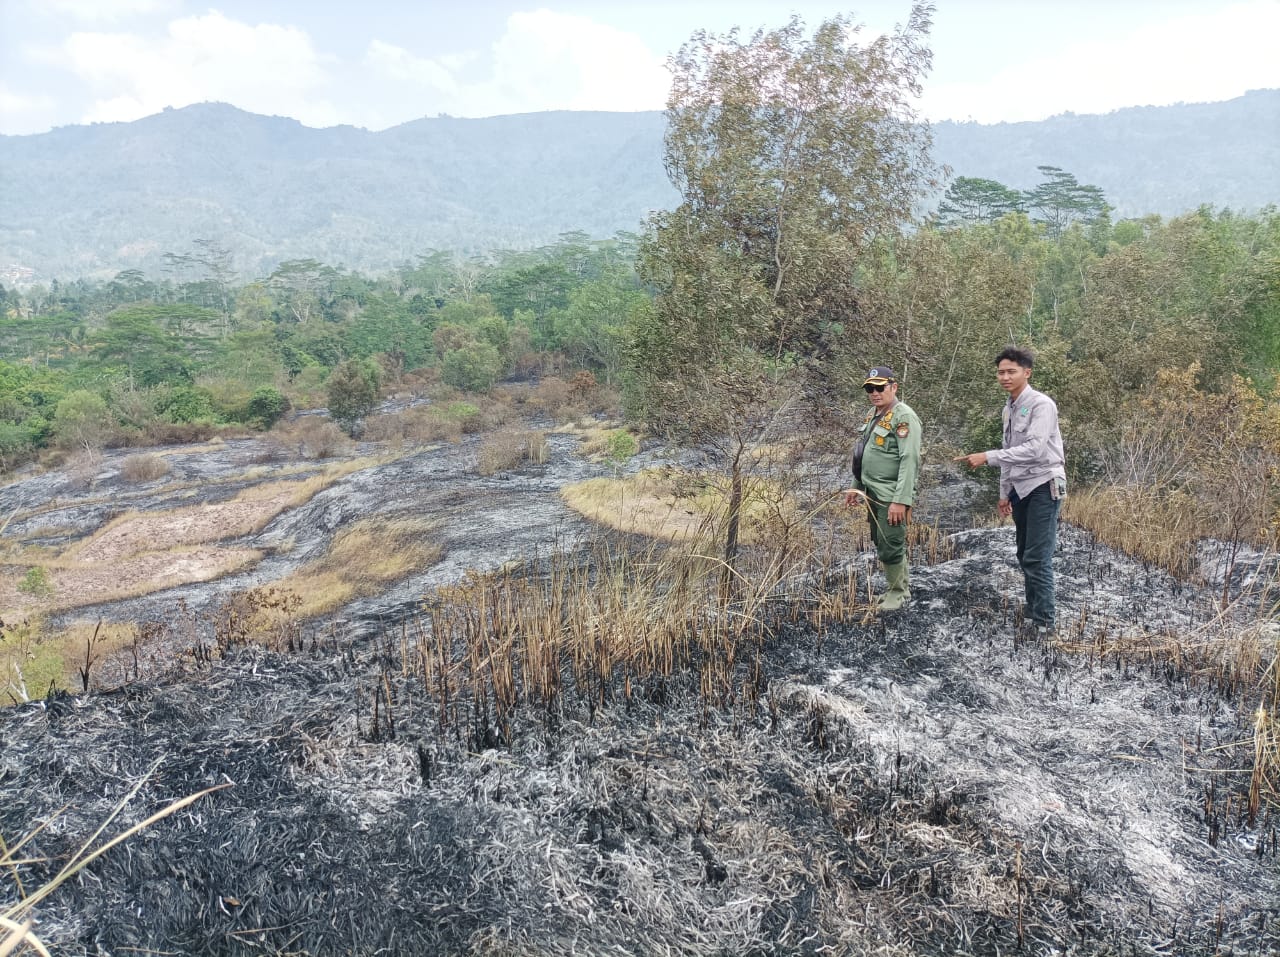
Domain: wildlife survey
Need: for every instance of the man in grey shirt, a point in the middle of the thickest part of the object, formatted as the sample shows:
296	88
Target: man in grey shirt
1033	479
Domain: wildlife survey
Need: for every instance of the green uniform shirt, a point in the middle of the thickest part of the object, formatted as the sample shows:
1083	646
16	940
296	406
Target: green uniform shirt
891	458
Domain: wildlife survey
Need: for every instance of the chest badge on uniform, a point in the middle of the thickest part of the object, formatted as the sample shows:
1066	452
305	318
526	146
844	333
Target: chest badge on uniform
902	430
879	440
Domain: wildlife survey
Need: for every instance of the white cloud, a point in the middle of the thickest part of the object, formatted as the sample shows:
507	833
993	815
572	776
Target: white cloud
264	68
22	113
399	64
543	61
552	60
105	11
1215	55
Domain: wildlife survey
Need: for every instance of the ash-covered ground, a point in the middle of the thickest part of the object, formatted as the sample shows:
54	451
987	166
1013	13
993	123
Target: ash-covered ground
922	784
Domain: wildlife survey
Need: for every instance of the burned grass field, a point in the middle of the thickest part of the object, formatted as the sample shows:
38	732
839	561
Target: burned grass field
925	783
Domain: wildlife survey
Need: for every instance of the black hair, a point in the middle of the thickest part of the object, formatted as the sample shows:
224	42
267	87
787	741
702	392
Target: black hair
1024	357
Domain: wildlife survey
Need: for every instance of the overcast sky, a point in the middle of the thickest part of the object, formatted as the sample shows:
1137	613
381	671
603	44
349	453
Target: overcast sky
377	63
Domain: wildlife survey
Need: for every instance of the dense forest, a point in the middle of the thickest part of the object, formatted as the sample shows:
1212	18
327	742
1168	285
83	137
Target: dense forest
94	200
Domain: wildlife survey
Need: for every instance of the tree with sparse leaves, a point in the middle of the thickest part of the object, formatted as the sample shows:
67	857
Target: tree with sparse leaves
970	200
792	156
1061	200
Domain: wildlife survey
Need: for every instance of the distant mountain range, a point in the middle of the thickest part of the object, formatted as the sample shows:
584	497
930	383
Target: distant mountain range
93	200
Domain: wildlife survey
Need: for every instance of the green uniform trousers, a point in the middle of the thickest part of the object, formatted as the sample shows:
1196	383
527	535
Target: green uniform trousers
890	540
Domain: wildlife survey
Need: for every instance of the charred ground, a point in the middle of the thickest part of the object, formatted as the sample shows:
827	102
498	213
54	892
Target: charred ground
922	784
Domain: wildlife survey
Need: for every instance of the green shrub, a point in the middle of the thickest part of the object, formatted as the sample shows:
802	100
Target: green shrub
36	583
474	367
265	407
352	391
467	416
187	403
620	446
15	444
82	420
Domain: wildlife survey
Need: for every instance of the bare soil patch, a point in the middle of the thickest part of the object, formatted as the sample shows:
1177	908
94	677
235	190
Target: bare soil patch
147	532
91	584
144	552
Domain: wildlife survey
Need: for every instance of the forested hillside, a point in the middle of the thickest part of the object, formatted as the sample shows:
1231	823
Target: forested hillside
93	200
96	199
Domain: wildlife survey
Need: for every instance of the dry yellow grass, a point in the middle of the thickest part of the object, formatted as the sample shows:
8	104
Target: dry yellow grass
297	492
510	449
679	506
142	552
644	504
138	532
74	584
32	661
144	467
1264	781
1159	527
594	438
361	559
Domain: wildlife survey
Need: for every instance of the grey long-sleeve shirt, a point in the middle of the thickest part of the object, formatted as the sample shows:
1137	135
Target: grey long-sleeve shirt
1032	451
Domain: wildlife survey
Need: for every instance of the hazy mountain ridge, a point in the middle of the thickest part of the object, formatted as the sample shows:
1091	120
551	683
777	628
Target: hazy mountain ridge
1167	160
96	199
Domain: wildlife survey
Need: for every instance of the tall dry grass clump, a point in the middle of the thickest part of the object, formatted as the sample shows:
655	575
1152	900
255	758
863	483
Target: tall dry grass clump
511	449
592	632
312	437
573	399
1264	778
144	467
162	432
82	468
1160	526
1187	465
621	623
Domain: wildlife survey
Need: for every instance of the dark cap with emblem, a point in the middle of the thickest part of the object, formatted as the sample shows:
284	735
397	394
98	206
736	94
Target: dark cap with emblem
881	375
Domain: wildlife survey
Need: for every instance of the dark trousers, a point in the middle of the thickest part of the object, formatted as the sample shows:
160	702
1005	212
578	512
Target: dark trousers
1035	523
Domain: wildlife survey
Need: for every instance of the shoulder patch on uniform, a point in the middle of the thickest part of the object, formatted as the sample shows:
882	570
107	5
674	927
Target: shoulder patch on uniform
903	430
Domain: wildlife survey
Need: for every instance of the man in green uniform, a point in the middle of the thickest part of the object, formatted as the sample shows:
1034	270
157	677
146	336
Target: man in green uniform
886	462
